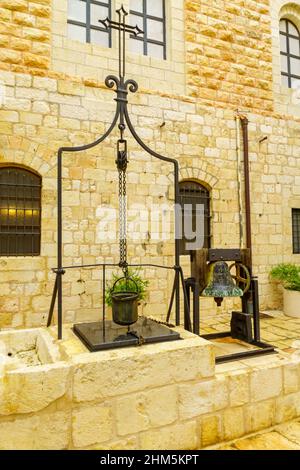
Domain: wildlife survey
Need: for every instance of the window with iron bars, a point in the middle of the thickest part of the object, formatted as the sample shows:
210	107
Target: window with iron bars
290	54
193	193
150	16
83	21
20	212
296	230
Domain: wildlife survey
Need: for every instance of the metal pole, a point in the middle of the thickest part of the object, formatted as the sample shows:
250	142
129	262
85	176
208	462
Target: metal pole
171	300
187	304
238	151
103	301
177	242
196	308
187	318
60	271
256	318
50	316
245	122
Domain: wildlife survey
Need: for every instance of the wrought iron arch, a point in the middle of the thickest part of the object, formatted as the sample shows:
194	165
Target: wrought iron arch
122	87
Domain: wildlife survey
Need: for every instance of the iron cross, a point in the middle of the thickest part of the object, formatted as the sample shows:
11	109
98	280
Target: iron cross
122	28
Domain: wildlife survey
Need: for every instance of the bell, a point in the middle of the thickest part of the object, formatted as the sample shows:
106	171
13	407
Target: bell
220	283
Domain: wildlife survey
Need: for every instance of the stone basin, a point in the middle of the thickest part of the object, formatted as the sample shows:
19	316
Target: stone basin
163	396
27	348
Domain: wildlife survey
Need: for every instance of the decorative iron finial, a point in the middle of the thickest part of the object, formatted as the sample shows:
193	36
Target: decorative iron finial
123	28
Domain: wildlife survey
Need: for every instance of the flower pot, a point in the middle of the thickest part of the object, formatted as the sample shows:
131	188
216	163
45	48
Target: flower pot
291	303
125	303
125	308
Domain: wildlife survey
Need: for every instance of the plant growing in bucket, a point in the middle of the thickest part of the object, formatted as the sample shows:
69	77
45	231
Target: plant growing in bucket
124	296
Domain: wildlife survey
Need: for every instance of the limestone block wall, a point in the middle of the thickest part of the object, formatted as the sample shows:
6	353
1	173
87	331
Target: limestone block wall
229	53
25	35
41	114
215	53
163	397
218	54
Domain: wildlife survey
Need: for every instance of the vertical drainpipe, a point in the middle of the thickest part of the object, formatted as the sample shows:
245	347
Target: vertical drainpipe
245	122
239	179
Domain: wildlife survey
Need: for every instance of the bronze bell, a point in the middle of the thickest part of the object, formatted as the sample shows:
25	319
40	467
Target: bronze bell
220	283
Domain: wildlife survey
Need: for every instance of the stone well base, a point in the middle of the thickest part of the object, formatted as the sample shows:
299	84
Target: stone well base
160	396
27	347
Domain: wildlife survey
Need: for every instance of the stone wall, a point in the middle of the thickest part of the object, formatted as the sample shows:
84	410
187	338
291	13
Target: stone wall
214	54
185	114
25	34
229	53
165	396
42	114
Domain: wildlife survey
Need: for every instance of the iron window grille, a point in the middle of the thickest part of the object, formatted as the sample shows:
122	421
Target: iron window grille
290	54
194	194
296	230
150	16
20	212
83	21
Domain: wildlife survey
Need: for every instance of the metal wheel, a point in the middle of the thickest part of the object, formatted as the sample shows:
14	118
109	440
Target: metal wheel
242	276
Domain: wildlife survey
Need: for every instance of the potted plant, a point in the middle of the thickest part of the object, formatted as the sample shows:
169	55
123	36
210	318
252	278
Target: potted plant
289	276
124	294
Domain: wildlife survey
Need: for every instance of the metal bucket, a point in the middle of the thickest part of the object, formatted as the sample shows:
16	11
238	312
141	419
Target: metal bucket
125	306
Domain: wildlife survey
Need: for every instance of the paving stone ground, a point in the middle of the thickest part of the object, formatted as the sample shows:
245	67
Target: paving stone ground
283	333
277	329
282	437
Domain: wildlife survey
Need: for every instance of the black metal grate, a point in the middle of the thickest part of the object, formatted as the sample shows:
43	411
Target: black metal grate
83	18
290	53
195	194
151	18
296	230
20	212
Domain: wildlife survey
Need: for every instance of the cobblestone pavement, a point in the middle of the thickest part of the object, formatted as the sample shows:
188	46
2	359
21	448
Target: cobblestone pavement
283	333
276	329
283	437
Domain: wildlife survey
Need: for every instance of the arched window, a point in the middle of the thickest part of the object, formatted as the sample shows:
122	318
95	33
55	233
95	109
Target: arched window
20	212
290	54
194	194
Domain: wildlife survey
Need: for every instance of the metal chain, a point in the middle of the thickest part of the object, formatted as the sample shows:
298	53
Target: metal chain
123	216
122	166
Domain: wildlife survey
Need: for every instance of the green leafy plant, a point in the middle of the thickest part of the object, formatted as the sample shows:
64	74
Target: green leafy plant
135	283
288	275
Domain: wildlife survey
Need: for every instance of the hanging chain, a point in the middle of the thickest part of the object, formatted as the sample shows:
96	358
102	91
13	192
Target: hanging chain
123	217
122	167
